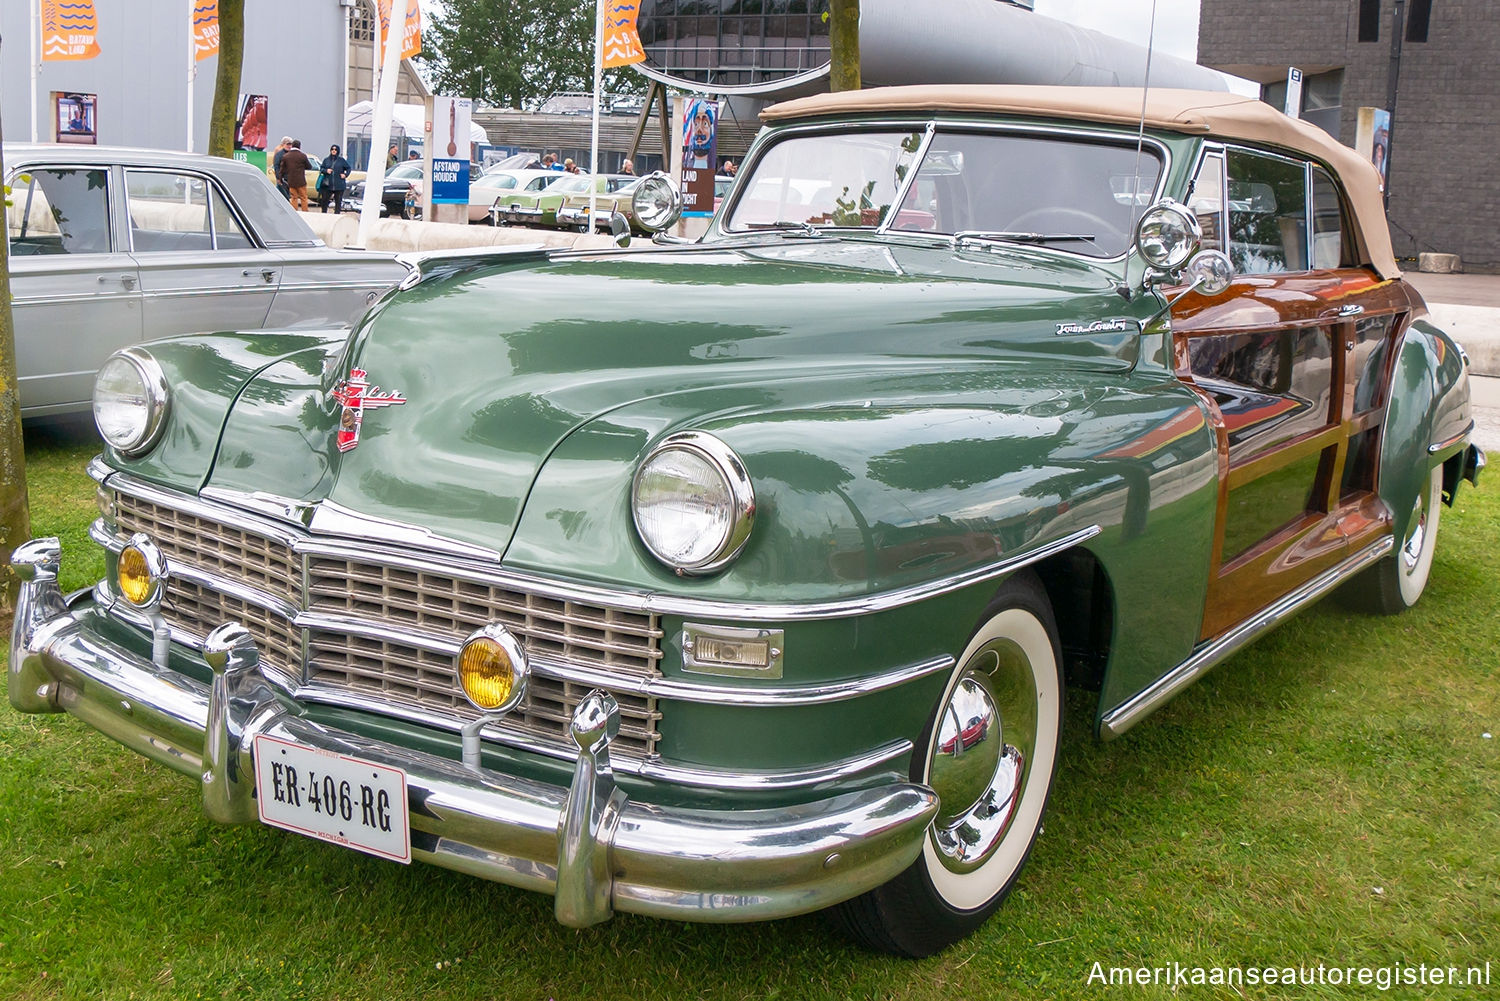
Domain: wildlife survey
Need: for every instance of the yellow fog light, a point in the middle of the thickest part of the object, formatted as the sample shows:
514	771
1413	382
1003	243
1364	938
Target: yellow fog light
492	670
141	571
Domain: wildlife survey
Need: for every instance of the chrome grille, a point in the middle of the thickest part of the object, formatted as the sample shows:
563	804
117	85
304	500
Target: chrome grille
402	602
214	548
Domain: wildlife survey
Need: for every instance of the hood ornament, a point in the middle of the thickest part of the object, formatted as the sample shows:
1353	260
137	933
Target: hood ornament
357	395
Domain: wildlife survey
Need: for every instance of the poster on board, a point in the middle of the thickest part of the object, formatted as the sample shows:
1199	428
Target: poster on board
700	122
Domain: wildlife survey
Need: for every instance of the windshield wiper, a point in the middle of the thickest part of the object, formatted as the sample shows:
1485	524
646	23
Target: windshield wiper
787	224
1005	237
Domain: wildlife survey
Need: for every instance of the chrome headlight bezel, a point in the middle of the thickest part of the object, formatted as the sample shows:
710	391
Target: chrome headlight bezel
155	401
723	461
656	202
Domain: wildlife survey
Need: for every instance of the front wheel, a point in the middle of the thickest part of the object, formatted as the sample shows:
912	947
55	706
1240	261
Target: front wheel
1395	583
990	752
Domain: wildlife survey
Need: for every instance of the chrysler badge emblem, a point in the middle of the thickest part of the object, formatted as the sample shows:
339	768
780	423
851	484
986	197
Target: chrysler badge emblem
357	395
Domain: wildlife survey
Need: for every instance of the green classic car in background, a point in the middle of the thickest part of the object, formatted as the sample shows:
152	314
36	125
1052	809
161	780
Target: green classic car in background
738	579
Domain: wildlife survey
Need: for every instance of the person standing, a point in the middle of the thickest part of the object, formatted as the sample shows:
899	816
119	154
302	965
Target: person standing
628	168
281	148
391	159
294	167
332	180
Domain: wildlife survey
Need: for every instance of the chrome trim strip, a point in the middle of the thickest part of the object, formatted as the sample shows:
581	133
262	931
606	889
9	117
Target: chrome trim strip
463	566
1448	443
791	778
1120	719
212	290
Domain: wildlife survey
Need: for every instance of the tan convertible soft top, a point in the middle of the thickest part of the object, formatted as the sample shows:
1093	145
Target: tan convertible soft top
1193	112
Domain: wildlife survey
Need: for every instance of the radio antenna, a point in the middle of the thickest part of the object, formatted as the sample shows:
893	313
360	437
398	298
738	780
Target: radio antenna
1140	138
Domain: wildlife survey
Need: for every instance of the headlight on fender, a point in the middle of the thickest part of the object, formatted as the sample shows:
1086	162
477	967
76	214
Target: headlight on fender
693	503
130	401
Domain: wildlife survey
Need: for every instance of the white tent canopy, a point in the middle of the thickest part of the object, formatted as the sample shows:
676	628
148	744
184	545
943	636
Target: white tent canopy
406	120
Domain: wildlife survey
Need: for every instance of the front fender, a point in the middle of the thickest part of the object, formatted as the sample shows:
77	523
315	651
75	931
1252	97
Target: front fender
1427	419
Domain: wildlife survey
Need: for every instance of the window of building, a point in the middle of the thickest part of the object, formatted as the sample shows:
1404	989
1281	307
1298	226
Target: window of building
1322	99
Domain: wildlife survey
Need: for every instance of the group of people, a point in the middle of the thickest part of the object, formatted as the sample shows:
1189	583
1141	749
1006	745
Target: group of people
291	166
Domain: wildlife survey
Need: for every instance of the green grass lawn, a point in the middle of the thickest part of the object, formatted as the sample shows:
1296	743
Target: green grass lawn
1327	796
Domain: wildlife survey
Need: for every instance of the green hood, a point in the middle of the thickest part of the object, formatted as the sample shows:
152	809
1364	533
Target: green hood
500	365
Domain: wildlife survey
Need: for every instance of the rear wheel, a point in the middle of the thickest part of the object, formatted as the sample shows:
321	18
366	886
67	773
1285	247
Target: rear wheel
990	751
1395	583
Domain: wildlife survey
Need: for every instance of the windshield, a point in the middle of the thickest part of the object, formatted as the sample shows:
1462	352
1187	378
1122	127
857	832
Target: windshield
1076	193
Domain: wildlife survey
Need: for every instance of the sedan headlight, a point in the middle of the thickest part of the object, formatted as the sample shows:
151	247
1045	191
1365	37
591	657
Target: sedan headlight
693	503
130	401
1167	235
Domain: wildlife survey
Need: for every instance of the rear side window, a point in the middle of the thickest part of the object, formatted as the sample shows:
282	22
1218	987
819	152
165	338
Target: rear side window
58	211
179	212
1267	214
1331	246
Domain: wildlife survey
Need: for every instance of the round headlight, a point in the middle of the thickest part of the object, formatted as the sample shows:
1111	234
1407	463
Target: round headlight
130	401
141	571
492	669
656	202
693	503
1210	272
1167	235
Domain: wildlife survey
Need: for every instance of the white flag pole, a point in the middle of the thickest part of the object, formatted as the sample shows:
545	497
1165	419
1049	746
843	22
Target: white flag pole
380	125
36	58
192	74
598	83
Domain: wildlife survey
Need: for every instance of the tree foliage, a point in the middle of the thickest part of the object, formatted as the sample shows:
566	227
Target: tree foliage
517	55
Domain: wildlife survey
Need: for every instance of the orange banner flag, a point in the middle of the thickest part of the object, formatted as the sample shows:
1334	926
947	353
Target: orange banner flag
622	41
70	30
205	29
411	38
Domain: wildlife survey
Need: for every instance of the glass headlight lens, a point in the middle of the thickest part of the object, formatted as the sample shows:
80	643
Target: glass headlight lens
1167	235
130	401
656	202
492	669
693	503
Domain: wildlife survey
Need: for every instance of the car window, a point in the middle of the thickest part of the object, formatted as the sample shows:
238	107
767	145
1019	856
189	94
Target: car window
1267	213
405	172
1207	201
505	181
1083	189
1329	242
171	212
538	183
58	211
844	179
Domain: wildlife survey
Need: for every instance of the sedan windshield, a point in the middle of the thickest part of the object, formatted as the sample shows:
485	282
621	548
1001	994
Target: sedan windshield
1080	194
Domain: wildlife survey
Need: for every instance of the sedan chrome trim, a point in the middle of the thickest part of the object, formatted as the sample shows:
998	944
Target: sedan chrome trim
376	542
1120	719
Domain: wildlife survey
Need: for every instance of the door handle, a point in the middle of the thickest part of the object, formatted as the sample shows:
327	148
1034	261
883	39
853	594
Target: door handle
1351	309
126	280
268	275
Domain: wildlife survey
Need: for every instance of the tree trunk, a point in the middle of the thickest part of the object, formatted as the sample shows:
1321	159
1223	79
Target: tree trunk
227	79
843	44
15	517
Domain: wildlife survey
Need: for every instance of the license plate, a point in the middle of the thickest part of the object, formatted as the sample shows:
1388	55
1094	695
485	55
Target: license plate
332	797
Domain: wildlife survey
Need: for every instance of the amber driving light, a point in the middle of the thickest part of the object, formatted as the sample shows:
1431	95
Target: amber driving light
492	670
141	571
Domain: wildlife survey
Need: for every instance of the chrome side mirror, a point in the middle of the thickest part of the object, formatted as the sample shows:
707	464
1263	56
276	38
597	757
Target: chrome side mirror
656	202
619	228
1208	273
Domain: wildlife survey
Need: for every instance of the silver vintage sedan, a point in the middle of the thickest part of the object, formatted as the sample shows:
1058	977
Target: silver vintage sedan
111	246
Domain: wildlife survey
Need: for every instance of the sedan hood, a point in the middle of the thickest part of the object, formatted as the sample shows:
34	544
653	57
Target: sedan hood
476	377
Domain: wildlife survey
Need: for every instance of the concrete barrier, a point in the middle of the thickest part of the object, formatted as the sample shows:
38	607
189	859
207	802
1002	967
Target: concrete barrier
1477	328
405	236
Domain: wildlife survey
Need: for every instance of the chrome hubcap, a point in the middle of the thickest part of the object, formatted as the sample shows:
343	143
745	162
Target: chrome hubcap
978	760
1411	552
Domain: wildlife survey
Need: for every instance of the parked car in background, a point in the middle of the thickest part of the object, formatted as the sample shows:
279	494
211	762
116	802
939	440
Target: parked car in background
738	579
494	186
537	203
402	189
610	192
110	247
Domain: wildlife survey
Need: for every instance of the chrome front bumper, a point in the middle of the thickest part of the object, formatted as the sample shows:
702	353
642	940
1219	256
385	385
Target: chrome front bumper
589	845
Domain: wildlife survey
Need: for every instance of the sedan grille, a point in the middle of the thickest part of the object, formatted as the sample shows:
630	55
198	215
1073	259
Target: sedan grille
375	626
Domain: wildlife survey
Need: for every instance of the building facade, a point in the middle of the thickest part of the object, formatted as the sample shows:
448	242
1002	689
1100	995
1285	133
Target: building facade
1444	191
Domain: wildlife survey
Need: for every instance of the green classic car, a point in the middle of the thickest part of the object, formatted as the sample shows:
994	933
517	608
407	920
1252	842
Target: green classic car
742	578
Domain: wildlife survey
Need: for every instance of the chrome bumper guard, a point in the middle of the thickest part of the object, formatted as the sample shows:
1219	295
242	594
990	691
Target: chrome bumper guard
589	845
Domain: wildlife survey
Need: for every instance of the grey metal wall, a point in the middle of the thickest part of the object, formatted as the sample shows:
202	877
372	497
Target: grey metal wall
294	53
1445	190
